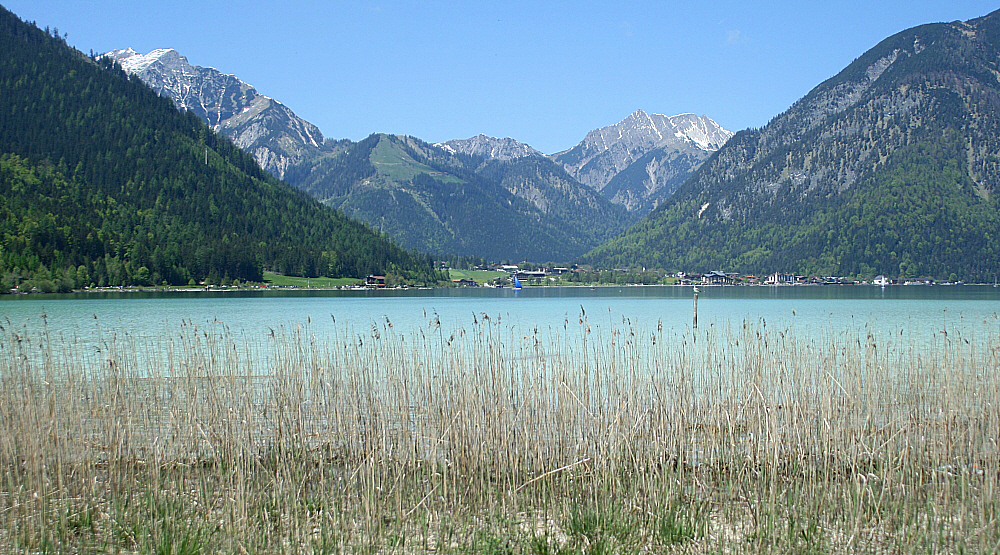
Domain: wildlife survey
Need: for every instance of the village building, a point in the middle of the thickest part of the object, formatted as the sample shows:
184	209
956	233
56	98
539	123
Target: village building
780	278
717	278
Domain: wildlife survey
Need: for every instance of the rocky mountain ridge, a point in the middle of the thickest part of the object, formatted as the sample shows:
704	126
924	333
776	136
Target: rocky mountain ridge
435	200
258	124
637	162
890	167
609	150
490	147
656	153
104	182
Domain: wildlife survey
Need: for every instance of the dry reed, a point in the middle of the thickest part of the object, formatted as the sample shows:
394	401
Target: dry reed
490	439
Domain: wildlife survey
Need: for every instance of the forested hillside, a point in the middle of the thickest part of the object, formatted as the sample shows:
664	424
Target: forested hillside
459	204
514	210
104	182
890	167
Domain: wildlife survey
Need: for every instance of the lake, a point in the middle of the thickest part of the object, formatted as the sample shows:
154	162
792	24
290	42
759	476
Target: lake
875	399
919	312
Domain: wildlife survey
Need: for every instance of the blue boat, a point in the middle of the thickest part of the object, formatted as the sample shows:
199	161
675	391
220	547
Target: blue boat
517	283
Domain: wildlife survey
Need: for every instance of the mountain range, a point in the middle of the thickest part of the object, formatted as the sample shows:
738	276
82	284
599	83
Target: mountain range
529	205
447	203
104	182
890	167
258	124
642	159
490	147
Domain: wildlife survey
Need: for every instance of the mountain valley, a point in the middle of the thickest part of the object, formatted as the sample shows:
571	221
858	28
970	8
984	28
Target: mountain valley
889	167
528	205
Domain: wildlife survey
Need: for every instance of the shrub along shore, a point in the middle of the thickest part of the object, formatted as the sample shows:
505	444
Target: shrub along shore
486	440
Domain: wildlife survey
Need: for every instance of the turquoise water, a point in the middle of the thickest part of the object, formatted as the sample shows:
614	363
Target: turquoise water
813	310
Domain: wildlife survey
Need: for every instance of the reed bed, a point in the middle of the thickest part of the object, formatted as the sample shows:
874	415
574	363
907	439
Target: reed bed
489	438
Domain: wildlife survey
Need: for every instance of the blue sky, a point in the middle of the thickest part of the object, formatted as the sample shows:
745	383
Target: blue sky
543	73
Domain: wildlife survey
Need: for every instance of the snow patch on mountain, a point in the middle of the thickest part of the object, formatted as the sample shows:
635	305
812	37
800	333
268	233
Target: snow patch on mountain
608	151
256	123
491	147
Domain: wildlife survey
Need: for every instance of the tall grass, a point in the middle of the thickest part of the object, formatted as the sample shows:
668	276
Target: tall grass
491	439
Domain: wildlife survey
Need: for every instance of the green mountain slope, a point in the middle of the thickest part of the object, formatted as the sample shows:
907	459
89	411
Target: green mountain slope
891	167
586	212
103	181
437	201
568	218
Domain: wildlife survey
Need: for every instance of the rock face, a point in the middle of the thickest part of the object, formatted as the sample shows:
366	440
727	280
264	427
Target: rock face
607	151
275	136
932	84
889	167
490	147
636	163
643	158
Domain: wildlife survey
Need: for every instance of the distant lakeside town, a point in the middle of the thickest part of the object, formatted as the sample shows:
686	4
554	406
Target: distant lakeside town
501	275
513	275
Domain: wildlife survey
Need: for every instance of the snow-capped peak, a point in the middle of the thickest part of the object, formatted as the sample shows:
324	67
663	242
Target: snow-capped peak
226	103
492	147
641	129
606	151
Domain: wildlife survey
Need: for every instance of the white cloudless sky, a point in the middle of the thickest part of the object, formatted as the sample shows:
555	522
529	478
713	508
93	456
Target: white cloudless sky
543	73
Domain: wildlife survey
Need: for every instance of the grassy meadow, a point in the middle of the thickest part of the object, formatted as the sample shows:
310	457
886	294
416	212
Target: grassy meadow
392	160
480	276
278	280
488	440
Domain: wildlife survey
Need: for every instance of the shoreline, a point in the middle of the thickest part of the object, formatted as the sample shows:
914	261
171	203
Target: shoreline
230	289
713	441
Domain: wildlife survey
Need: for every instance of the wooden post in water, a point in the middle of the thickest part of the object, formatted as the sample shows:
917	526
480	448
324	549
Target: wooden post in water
695	323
